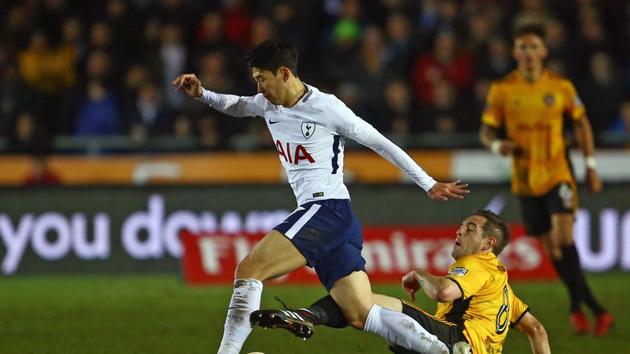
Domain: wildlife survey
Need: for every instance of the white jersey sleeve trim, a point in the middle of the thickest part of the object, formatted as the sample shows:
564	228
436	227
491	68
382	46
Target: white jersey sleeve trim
348	124
236	106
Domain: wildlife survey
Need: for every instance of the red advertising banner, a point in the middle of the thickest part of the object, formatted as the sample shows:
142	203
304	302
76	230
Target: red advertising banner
389	252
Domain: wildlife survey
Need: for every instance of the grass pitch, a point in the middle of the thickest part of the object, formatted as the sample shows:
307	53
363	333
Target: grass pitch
160	314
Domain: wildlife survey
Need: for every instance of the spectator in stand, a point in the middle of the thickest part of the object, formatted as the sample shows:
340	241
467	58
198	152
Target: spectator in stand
398	33
601	92
209	34
444	113
99	113
398	114
557	42
443	64
12	95
262	29
592	38
173	55
150	115
238	23
48	73
44	69
496	60
29	135
621	123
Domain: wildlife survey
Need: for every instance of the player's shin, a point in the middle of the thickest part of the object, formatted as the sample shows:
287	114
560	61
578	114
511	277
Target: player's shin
245	300
403	331
328	313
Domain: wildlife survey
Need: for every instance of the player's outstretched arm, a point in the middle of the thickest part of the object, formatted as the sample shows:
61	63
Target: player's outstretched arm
452	190
232	105
189	83
535	332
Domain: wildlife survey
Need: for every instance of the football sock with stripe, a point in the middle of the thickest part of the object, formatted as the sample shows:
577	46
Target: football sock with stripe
245	300
402	330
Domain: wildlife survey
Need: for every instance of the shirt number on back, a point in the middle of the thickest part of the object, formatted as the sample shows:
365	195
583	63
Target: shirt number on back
504	312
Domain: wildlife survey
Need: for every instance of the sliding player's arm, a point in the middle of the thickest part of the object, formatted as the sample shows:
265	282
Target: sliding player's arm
440	289
536	333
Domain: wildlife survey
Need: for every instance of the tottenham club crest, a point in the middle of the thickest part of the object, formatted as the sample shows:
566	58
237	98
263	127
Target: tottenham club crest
308	129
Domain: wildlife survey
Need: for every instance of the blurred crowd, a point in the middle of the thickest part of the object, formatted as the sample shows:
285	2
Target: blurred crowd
103	67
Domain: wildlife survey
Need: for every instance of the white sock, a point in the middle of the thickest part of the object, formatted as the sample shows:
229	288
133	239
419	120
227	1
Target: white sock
402	330
245	300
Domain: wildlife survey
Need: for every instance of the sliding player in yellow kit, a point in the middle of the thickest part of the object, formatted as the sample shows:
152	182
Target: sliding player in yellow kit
475	302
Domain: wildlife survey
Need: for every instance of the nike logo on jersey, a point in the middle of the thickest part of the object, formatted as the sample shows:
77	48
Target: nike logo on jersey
272	122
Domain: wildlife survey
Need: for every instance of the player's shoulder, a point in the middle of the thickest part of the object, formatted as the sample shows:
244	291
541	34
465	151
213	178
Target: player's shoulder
509	79
558	79
464	264
319	102
260	101
315	96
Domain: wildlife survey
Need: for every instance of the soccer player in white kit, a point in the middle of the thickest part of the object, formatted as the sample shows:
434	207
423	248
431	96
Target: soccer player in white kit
309	128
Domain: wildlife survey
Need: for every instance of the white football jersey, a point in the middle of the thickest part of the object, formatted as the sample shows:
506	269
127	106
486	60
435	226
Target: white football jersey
309	138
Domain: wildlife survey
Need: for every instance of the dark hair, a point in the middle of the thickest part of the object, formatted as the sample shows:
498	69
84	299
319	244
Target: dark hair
272	54
535	28
496	227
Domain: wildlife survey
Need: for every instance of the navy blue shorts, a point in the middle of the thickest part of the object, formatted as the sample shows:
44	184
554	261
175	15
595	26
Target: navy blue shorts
329	236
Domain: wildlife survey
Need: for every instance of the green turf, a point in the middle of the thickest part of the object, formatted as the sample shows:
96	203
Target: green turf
160	314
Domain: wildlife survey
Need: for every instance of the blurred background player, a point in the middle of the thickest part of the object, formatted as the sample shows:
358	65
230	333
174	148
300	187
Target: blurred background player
529	104
309	128
476	305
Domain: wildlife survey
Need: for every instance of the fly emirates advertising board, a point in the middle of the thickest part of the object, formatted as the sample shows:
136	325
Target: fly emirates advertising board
156	237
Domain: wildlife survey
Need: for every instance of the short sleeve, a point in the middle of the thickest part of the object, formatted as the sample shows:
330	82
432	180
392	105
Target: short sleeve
468	275
518	309
493	110
575	108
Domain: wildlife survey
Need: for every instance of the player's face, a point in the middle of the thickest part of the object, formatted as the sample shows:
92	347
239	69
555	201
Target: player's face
271	85
529	51
469	240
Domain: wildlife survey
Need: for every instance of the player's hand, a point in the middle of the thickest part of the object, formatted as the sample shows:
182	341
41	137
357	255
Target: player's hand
505	147
190	83
444	191
593	181
410	284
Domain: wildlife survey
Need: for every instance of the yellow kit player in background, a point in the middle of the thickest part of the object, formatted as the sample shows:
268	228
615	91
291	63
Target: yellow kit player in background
530	105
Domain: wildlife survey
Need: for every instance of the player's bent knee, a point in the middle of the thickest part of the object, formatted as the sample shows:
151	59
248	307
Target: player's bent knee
357	324
356	317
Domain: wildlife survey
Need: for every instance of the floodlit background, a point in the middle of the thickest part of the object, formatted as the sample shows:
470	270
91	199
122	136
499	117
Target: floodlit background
102	164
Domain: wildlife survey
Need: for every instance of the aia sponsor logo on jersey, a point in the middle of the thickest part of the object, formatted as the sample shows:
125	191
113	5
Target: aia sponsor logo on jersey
293	154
